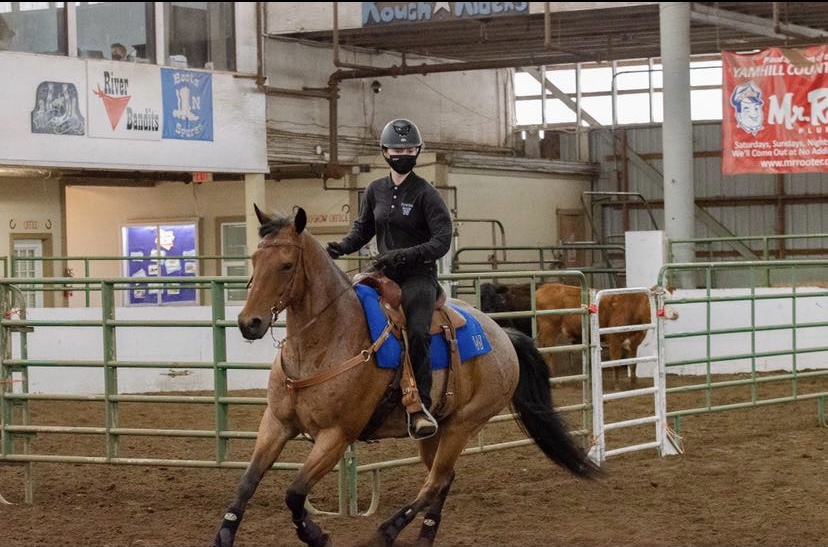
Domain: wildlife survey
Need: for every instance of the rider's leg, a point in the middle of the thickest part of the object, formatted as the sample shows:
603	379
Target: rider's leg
419	294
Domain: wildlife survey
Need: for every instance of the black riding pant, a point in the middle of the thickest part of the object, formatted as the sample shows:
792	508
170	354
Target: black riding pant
419	294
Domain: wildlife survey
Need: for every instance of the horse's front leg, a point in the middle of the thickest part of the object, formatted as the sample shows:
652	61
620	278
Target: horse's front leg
323	457
270	440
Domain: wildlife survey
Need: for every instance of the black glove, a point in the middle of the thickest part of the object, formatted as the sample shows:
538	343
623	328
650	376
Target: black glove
391	260
335	250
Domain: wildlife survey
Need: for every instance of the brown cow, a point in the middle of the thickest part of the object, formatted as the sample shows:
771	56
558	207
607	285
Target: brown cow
624	309
556	296
615	310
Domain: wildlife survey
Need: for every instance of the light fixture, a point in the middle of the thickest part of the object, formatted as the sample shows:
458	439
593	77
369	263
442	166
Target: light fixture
376	87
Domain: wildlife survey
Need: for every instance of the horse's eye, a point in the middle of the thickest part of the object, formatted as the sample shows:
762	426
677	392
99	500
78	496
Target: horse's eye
287	266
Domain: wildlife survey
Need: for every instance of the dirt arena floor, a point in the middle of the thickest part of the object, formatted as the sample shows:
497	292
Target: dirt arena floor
747	477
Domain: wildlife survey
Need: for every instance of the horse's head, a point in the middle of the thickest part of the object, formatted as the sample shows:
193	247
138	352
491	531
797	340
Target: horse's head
277	271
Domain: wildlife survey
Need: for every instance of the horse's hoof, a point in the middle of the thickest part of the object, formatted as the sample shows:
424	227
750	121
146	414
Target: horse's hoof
224	538
377	540
324	540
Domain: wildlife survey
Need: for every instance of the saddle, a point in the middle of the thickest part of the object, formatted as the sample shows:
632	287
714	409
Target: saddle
444	320
391	300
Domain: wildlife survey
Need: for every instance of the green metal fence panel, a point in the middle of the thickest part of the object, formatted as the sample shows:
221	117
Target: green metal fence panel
765	312
114	428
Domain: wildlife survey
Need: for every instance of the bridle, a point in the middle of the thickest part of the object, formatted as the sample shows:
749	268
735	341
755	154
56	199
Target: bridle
279	306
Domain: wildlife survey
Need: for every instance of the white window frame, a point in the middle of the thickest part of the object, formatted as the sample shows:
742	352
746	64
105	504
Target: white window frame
29	248
233	296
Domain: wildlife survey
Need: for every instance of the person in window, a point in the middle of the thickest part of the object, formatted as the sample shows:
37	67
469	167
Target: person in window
6	35
119	52
413	229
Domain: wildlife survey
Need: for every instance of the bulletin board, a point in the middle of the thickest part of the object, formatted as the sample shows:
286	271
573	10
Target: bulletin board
164	252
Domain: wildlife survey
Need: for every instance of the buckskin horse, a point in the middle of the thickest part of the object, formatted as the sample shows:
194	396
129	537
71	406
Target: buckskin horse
324	384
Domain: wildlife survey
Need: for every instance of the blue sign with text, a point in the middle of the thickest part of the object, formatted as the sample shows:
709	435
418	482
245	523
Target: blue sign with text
188	104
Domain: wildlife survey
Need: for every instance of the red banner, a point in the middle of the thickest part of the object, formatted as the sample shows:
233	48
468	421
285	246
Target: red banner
775	111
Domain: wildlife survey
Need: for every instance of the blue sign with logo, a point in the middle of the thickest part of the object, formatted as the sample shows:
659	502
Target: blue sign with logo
188	104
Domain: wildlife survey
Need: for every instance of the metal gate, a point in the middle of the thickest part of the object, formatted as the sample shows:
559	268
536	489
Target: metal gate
664	441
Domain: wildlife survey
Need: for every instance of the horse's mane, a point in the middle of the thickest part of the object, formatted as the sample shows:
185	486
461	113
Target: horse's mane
275	224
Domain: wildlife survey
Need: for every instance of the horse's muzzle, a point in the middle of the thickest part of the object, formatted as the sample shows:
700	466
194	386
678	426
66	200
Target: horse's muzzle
253	328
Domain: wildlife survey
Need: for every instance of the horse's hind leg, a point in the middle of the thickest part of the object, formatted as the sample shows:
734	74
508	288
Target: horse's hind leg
270	441
326	452
432	494
433	516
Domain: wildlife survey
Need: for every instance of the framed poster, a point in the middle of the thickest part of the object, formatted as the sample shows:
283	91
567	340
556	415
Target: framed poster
162	251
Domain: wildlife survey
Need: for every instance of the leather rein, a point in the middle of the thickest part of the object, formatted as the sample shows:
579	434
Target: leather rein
363	356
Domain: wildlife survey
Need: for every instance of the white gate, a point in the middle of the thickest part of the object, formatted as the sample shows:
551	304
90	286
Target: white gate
663	442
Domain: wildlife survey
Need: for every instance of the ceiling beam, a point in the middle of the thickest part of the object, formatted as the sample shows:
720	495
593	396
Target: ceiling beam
751	23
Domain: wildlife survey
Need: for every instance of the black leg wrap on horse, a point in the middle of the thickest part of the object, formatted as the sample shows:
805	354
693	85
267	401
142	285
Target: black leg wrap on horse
310	532
229	525
307	530
296	503
431	523
392	527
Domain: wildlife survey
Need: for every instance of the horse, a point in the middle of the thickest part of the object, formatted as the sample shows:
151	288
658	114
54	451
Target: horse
324	384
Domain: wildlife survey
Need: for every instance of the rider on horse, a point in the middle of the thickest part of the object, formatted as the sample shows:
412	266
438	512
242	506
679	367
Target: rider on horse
413	229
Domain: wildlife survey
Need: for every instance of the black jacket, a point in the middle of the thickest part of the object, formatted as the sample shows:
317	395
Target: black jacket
410	216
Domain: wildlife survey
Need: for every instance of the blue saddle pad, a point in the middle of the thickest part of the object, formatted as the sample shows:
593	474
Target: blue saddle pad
471	340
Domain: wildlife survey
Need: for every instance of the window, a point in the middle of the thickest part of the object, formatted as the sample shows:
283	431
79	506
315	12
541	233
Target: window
33	27
630	94
102	25
200	35
29	269
234	247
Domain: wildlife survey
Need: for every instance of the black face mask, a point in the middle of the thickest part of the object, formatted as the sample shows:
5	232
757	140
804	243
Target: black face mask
401	164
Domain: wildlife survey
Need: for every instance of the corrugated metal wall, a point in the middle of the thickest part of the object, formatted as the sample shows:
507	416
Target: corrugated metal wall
740	211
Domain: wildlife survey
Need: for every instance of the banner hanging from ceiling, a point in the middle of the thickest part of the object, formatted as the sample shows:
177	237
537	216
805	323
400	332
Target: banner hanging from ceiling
775	111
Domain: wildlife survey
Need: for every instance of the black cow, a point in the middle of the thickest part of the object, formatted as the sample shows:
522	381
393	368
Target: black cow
496	297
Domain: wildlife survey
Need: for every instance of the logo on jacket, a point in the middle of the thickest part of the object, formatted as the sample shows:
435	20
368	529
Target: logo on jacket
406	208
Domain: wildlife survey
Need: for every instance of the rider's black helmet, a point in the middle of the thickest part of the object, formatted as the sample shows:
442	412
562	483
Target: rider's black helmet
400	134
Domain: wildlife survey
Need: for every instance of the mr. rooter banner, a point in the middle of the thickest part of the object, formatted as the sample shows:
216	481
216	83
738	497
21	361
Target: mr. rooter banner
775	112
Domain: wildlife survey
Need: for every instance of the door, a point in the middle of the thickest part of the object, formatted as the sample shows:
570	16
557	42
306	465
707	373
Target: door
572	229
27	269
234	247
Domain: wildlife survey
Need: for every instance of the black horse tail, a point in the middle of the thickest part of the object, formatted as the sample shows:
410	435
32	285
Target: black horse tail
532	402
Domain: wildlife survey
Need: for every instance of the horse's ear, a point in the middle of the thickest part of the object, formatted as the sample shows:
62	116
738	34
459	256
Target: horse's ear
300	220
263	218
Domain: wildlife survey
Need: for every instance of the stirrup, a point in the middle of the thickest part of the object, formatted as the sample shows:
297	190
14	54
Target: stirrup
410	425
